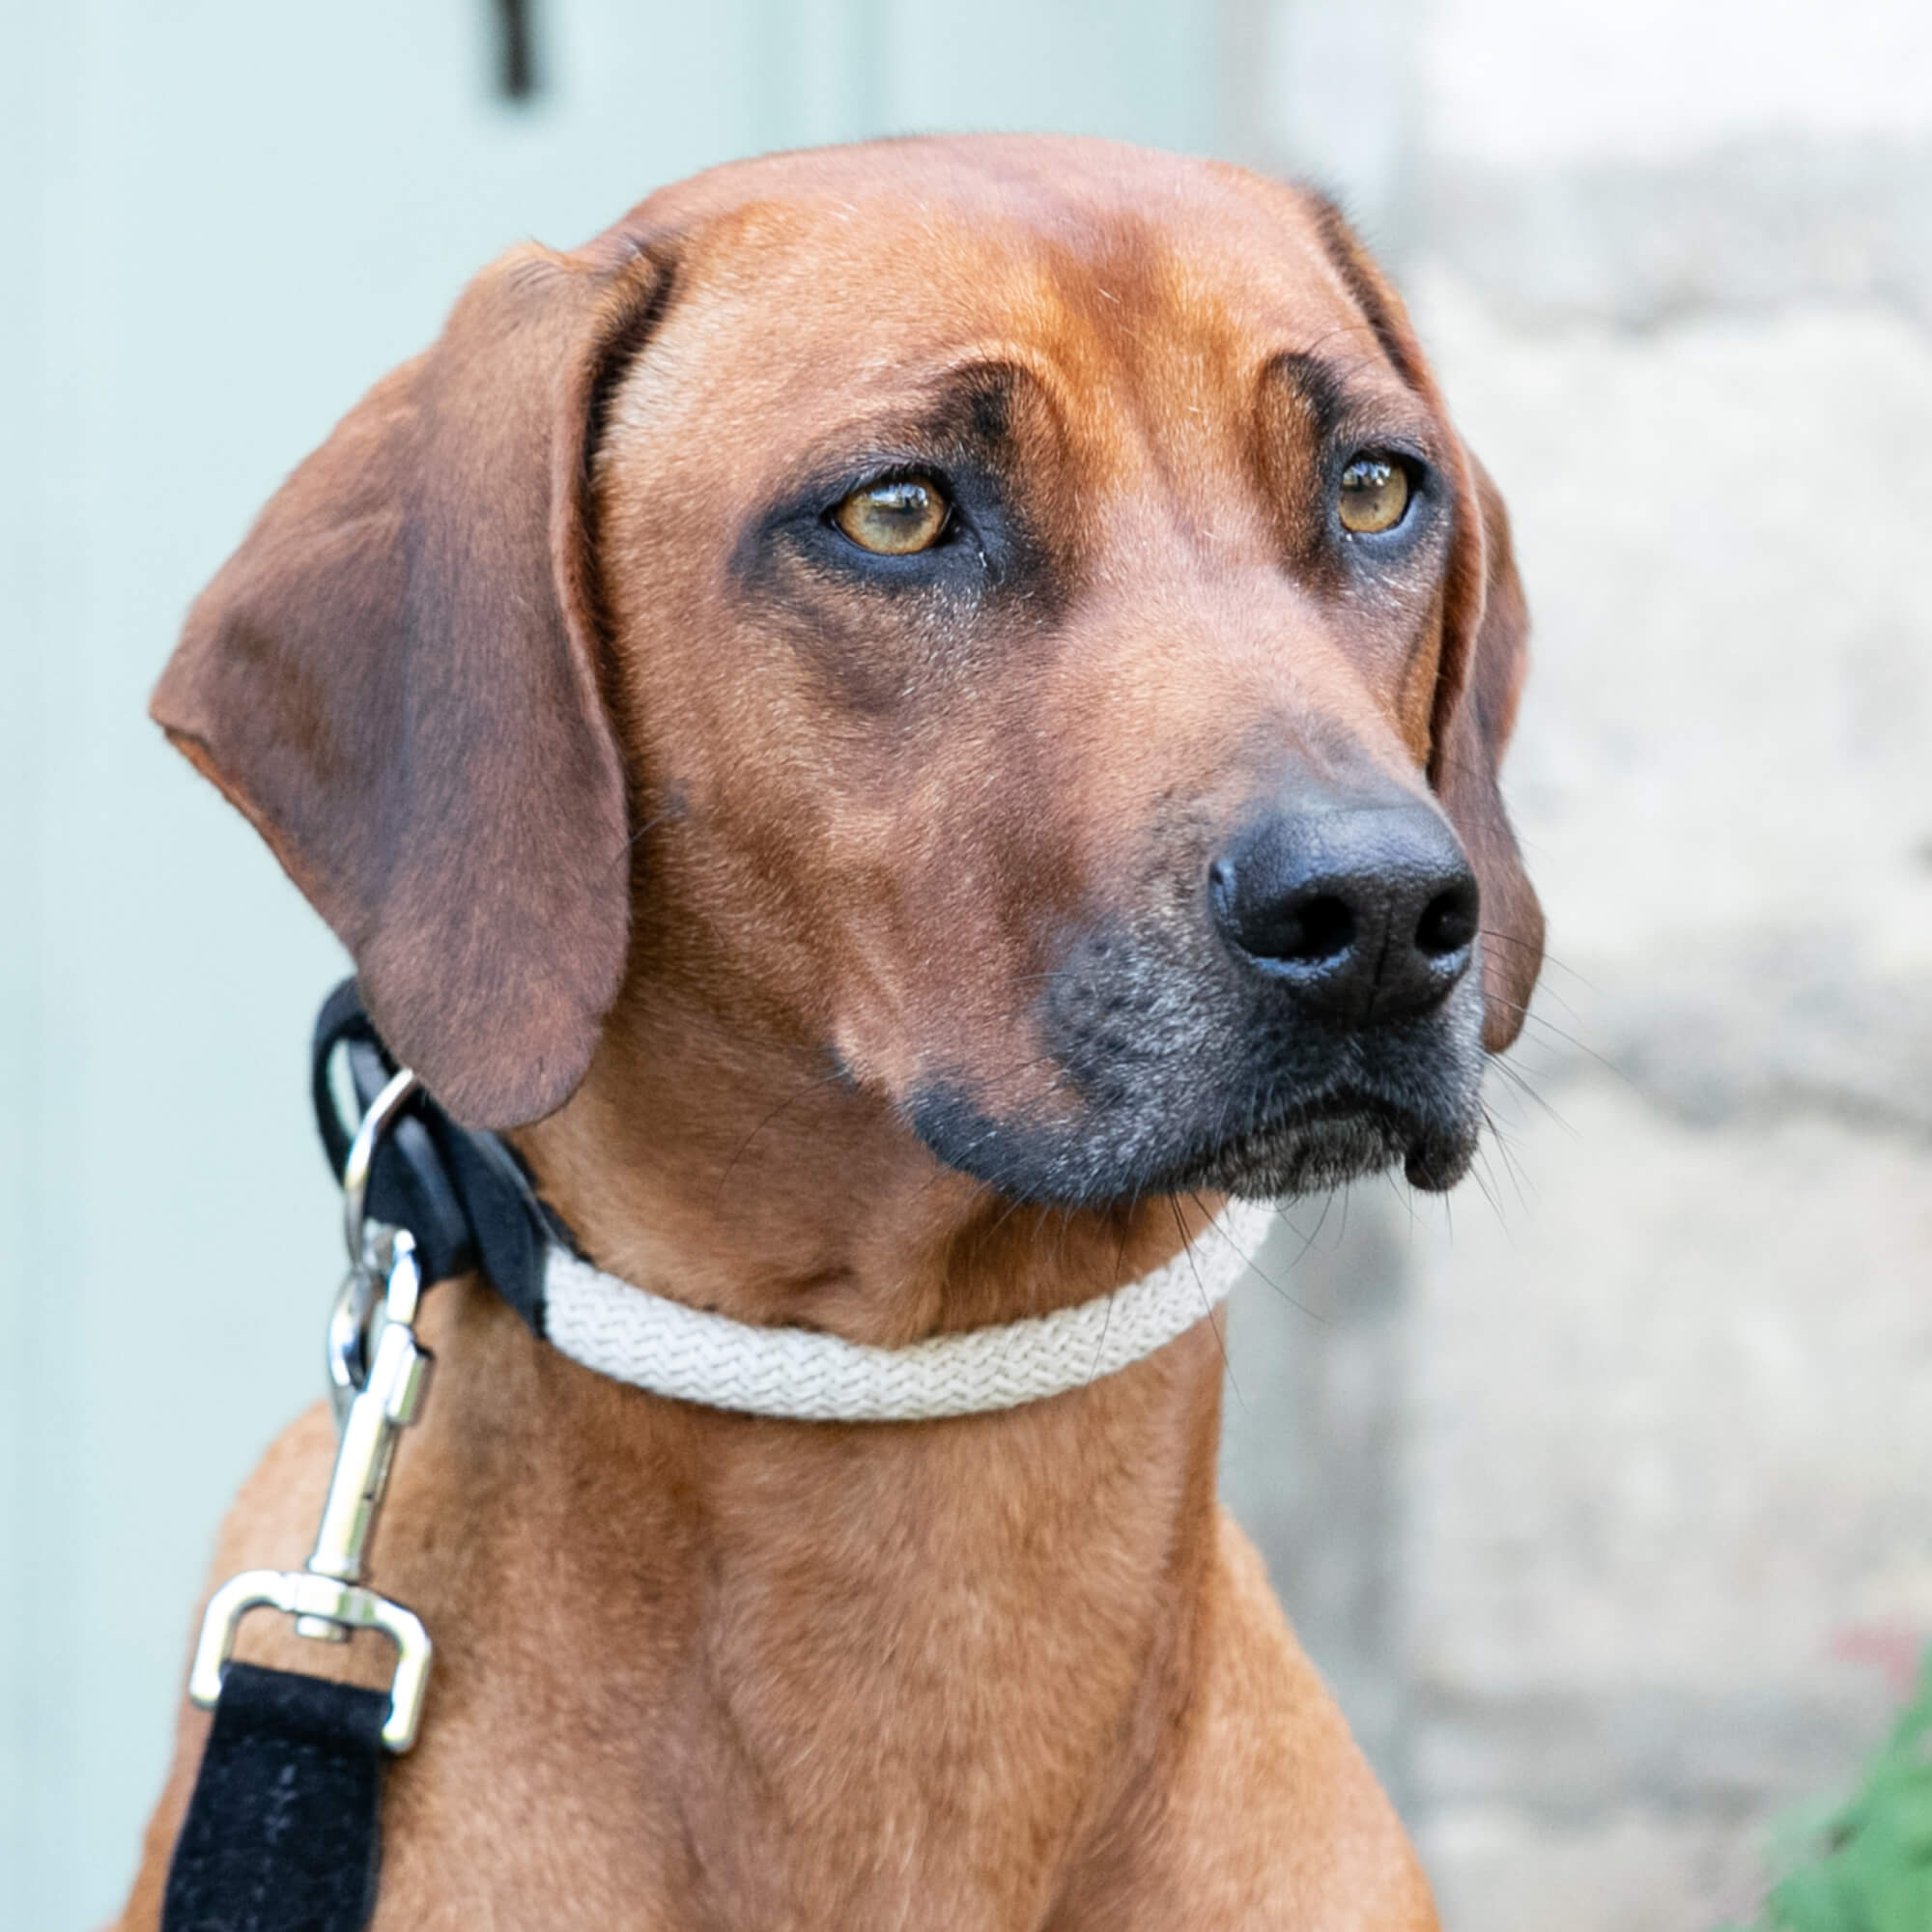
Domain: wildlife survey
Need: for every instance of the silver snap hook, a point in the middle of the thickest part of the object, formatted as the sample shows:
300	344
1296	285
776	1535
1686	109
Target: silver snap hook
346	1342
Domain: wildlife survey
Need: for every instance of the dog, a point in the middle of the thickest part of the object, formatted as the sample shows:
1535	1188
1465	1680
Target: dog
903	722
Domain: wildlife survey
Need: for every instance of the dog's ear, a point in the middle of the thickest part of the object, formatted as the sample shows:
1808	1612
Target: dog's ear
1485	654
396	677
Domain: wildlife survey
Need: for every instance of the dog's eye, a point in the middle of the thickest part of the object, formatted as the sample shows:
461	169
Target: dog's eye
895	518
1373	494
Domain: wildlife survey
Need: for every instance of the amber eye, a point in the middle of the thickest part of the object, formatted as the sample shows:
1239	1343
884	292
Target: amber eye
895	518
1373	494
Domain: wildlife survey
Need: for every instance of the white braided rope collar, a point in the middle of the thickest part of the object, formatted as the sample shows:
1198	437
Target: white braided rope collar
799	1374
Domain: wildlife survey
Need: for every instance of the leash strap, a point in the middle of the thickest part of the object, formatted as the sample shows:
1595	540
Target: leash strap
283	1828
282	1831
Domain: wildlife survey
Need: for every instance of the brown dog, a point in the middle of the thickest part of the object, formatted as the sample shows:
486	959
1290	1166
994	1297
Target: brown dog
898	718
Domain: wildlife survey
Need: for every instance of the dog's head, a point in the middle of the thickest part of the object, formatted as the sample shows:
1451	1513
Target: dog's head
1010	616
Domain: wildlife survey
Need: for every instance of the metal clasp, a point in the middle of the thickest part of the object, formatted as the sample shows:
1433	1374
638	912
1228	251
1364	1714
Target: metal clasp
379	1373
346	1342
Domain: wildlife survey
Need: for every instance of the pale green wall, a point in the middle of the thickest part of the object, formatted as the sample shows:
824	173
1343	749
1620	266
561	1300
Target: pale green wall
222	222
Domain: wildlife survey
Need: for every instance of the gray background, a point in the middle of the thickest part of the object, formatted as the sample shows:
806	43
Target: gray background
1603	1496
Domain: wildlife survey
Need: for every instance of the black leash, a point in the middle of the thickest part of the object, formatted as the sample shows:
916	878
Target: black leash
283	1833
283	1830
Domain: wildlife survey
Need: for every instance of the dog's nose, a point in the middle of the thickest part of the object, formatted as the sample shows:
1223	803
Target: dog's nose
1366	912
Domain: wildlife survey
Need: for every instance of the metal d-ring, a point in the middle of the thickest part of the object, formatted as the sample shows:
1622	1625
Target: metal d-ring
383	1109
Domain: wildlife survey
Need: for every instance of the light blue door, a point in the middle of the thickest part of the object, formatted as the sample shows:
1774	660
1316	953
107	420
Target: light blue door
222	221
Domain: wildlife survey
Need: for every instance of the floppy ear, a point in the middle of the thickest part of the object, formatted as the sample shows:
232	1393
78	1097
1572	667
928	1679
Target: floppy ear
396	677
1484	653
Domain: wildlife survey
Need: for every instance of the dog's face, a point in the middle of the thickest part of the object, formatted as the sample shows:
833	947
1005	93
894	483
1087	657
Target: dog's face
1015	616
1036	646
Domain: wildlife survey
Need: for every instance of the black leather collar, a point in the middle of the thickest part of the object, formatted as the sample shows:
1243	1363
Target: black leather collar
463	1194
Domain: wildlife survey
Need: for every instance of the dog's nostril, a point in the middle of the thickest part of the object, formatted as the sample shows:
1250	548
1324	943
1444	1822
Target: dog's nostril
1448	923
1322	928
1306	926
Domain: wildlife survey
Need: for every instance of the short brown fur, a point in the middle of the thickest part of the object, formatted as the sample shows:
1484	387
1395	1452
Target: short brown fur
659	845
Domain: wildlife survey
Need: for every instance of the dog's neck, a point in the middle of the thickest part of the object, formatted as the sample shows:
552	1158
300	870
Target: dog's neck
824	1674
789	1196
969	1638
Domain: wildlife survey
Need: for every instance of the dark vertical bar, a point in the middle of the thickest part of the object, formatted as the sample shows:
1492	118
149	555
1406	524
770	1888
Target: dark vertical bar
516	71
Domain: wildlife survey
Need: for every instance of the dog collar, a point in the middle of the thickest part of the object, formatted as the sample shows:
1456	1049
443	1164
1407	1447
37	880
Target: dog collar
470	1205
801	1376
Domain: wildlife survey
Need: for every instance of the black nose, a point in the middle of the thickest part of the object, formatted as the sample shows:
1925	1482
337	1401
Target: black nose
1366	912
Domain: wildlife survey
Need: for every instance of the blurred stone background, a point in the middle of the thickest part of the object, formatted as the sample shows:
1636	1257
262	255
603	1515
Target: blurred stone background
1609	1499
1605	1495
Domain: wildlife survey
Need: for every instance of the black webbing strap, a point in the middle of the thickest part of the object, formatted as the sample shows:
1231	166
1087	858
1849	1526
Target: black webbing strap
283	1831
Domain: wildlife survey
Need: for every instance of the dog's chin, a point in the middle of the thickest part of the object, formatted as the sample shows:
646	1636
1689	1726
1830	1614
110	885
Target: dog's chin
1306	1148
1325	1150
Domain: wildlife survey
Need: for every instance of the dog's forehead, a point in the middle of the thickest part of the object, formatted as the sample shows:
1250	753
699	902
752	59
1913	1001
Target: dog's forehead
901	253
